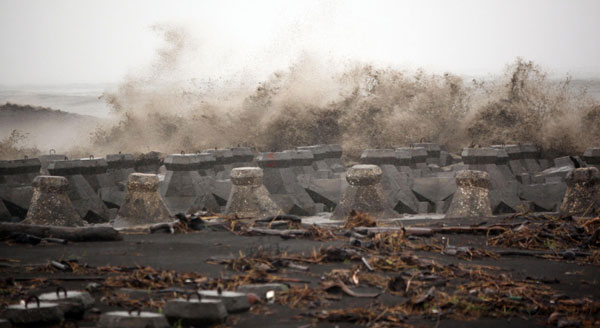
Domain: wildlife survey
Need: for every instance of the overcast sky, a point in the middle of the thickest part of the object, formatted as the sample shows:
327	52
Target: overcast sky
61	41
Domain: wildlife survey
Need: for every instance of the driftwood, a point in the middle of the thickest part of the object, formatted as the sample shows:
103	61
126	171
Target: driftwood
430	231
329	285
524	252
166	226
281	217
282	233
78	234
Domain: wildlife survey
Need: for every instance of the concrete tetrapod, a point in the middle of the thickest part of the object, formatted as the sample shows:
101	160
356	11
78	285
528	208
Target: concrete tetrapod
143	204
591	156
119	167
19	171
183	189
50	204
249	198
471	198
281	182
395	184
4	213
85	200
583	192
364	194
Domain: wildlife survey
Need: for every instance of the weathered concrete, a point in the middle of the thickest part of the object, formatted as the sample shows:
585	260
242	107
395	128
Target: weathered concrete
223	162
591	156
183	189
327	191
195	312
562	167
249	198
448	158
206	166
504	187
234	302
333	158
143	204
221	189
280	180
583	192
515	159
119	167
545	197
85	200
242	156
436	190
49	158
16	198
124	319
417	161
395	184
148	162
50	204
531	155
93	171
73	303
33	314
433	151
320	154
4	213
301	162
471	198
19	171
364	194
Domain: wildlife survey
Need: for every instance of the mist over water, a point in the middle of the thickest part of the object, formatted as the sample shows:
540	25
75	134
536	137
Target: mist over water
358	105
173	106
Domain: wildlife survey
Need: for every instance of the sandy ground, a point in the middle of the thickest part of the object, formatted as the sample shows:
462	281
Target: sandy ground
189	253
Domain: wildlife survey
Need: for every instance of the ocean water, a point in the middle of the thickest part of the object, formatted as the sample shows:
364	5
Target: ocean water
83	99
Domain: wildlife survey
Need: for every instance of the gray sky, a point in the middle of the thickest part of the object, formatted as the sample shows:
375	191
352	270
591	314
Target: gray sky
62	41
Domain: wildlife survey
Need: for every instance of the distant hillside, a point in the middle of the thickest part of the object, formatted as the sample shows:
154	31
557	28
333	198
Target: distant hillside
47	128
